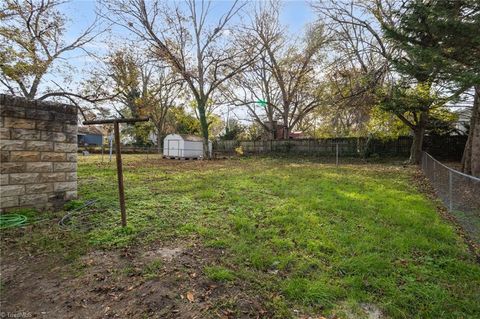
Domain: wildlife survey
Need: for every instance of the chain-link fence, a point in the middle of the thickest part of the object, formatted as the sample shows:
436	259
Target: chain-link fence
460	193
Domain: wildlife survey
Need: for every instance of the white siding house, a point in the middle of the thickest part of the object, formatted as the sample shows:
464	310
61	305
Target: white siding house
184	146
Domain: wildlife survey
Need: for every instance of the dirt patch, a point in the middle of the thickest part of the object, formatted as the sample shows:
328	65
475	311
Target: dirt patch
372	311
165	253
123	284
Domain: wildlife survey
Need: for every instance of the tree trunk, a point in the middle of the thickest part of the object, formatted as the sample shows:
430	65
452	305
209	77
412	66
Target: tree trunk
204	127
416	149
471	154
272	130
417	143
137	131
286	130
159	142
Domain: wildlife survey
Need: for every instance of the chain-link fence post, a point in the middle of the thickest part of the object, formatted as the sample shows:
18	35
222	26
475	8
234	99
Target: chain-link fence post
450	197
426	164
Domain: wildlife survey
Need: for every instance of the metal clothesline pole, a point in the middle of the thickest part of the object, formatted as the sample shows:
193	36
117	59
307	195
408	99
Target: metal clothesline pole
118	156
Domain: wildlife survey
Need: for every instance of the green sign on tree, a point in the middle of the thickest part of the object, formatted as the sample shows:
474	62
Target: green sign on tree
262	103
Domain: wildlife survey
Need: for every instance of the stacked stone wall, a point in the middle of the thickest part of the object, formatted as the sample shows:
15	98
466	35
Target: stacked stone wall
38	142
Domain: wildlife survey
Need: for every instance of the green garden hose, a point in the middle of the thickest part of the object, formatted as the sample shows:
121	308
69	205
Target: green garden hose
12	220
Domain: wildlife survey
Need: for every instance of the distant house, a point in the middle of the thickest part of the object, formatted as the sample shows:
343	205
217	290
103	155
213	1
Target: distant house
184	146
279	131
296	134
463	122
89	135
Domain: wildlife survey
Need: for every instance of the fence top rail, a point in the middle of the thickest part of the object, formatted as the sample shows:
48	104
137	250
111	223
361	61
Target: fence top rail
352	138
453	170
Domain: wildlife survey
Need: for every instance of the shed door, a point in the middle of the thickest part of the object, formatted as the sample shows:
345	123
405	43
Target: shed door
173	148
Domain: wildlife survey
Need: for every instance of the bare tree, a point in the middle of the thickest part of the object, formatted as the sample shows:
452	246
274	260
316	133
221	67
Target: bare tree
204	55
359	63
32	45
167	90
286	78
255	89
139	87
293	66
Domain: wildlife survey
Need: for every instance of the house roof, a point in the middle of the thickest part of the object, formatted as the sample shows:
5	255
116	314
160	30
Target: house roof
90	130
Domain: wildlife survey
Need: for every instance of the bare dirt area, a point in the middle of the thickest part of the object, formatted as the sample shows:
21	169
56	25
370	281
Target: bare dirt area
159	282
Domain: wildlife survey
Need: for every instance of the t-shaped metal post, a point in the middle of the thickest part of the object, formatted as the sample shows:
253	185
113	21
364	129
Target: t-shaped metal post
115	122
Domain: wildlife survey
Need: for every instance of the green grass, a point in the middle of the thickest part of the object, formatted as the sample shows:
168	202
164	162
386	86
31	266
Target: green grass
304	235
221	274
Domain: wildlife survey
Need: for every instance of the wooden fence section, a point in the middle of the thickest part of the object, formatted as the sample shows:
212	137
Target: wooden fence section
450	147
442	147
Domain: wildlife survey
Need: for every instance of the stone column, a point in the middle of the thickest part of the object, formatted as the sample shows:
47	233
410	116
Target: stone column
38	142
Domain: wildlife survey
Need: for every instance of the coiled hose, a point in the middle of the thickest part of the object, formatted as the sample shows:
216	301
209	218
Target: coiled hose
12	220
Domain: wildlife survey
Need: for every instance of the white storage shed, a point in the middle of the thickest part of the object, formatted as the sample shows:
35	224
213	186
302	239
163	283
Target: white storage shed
184	146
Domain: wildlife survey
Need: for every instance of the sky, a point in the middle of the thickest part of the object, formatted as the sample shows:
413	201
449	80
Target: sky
295	15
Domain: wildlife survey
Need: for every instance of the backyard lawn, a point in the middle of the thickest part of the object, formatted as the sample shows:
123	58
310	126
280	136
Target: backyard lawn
253	237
